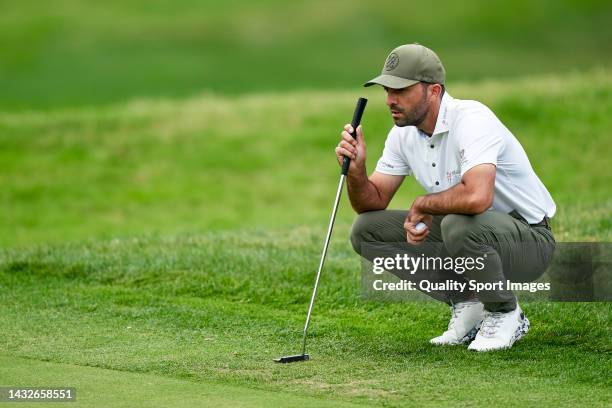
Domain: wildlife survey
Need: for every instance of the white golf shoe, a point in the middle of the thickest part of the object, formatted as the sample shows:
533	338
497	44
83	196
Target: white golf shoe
463	325
500	330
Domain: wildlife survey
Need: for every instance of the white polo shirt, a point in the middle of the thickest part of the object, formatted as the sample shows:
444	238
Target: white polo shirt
467	134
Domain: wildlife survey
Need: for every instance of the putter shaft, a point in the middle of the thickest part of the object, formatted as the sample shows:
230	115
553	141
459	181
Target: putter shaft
361	104
322	262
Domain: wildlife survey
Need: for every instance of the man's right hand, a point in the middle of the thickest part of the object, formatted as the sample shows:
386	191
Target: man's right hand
416	235
355	149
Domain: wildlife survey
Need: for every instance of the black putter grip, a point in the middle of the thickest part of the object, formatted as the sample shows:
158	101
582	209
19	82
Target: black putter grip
361	104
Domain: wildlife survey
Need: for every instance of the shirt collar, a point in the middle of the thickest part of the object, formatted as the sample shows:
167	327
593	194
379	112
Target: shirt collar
443	120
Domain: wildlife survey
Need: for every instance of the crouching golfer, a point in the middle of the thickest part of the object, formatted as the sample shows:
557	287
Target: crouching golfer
483	197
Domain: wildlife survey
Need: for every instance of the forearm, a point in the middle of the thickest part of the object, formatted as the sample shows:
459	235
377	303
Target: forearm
363	194
459	199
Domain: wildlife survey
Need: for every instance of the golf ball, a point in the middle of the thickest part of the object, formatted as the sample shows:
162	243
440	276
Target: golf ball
420	226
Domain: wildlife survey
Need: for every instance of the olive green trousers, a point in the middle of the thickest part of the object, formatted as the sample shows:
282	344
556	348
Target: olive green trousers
509	249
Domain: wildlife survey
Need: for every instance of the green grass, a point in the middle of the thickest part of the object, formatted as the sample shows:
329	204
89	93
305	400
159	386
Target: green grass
123	389
218	307
175	243
70	53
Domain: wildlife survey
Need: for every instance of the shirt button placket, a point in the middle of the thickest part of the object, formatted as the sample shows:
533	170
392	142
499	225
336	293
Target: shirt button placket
433	164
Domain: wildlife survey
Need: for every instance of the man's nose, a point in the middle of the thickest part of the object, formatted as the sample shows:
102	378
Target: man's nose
391	100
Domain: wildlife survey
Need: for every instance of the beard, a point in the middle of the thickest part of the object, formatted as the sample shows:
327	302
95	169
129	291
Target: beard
414	116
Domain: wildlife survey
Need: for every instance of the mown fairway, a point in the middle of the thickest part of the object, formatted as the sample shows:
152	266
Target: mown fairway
167	172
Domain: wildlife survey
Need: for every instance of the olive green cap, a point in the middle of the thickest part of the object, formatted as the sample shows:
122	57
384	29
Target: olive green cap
408	64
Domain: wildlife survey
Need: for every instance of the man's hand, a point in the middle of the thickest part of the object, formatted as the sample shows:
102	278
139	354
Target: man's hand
355	149
366	194
415	236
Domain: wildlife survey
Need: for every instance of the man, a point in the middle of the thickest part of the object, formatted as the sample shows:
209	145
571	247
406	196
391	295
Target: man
483	198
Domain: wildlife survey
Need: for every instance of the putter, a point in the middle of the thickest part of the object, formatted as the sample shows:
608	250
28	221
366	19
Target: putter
361	104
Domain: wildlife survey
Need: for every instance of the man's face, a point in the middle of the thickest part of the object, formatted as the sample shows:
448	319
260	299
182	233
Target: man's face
408	106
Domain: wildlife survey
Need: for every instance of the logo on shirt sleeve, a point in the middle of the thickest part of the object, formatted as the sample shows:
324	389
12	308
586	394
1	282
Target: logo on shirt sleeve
462	159
385	165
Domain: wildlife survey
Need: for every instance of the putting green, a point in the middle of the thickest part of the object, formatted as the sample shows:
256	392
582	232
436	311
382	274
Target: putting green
101	387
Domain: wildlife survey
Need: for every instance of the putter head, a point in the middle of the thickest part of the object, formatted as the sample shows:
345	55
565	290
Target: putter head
292	359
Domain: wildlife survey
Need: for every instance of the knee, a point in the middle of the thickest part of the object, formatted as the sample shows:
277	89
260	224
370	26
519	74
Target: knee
456	229
454	226
360	231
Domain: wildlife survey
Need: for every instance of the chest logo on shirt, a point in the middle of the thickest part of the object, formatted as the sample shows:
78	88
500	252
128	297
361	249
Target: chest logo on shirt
450	175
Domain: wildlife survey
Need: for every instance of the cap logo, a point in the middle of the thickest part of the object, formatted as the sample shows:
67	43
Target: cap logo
392	62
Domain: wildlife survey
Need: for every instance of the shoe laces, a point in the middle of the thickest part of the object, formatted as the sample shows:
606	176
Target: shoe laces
491	322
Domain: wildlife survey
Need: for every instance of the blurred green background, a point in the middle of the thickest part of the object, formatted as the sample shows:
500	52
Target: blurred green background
121	118
74	52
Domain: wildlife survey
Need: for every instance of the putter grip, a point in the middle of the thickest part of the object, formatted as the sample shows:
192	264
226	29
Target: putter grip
361	104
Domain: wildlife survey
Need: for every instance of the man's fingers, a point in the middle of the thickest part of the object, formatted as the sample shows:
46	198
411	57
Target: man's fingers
360	135
415	240
418	235
347	137
341	152
412	228
348	146
415	235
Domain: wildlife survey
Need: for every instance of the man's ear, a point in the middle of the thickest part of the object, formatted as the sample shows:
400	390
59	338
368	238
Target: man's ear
436	90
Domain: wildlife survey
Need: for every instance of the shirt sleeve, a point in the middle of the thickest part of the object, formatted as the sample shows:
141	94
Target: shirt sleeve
480	140
392	161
